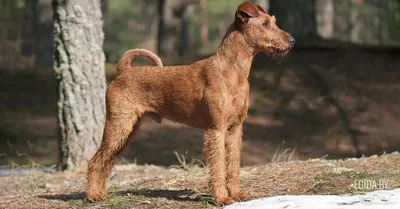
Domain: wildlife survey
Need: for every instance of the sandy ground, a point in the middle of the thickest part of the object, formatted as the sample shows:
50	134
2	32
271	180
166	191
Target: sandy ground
185	186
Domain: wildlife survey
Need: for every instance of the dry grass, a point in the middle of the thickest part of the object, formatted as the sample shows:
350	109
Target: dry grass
134	186
283	154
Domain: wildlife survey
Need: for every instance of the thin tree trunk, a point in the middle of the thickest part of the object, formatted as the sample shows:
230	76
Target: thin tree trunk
184	41
168	33
161	27
325	18
37	32
381	19
43	33
171	19
79	67
29	27
204	25
296	17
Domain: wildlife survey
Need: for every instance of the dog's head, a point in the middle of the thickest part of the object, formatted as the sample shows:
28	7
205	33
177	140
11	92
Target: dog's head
261	32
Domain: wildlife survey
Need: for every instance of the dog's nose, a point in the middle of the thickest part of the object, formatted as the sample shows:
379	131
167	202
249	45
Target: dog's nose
292	41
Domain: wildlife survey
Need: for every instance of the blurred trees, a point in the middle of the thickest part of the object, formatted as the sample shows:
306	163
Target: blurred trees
173	28
309	21
11	25
188	27
11	21
365	22
368	22
79	66
184	28
130	24
295	16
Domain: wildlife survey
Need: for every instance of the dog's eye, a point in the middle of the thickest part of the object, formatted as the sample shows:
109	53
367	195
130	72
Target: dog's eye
266	24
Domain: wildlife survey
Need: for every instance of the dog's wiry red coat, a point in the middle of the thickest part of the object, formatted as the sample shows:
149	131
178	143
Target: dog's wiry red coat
211	94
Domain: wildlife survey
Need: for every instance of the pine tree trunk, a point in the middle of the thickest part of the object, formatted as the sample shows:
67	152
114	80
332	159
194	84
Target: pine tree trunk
79	67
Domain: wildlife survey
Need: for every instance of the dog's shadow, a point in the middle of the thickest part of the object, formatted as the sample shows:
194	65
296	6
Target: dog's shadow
65	197
178	195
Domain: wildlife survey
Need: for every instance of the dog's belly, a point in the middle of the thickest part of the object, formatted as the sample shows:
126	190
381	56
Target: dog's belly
188	111
190	115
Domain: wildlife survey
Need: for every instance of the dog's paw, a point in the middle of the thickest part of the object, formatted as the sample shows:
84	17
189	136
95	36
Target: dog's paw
224	201
238	196
97	197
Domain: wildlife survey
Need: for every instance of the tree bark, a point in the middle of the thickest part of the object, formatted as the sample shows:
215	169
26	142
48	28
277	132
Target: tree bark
79	67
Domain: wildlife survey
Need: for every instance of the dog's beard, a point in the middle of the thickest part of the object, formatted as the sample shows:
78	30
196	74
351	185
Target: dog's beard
279	54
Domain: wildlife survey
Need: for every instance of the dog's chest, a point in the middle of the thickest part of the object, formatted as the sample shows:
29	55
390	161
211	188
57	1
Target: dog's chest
238	101
237	111
238	94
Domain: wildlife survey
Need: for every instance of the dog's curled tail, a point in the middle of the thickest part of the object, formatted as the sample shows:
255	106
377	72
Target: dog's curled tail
125	61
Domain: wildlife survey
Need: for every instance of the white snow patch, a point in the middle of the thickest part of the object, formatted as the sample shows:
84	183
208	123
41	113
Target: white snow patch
382	199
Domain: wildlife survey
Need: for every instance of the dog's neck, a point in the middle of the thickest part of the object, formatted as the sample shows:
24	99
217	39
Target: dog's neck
234	54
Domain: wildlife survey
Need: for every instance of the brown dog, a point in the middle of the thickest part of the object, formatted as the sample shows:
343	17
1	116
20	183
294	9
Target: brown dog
211	94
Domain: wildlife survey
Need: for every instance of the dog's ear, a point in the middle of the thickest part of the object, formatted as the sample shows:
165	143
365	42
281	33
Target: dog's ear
260	8
245	11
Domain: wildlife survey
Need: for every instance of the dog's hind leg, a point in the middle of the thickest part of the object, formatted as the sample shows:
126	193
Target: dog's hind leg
122	121
116	135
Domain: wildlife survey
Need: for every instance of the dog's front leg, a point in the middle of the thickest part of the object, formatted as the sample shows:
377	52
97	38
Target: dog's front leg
214	150
233	147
